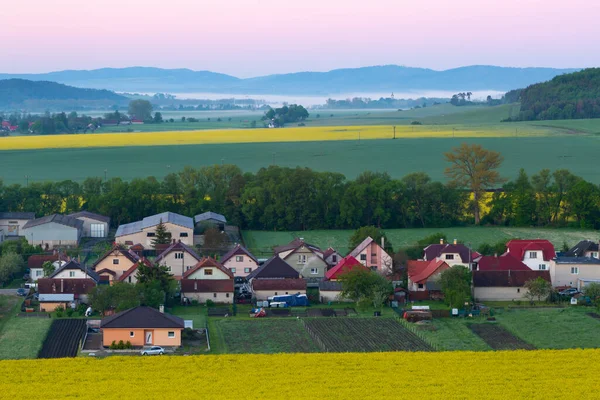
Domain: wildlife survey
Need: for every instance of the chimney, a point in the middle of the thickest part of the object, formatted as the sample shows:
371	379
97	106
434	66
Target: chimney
382	242
161	308
455	241
62	285
441	241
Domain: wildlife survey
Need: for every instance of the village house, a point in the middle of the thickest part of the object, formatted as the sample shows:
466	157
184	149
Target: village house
536	254
114	263
305	258
142	326
505	262
63	292
178	258
424	278
330	288
504	285
331	257
130	276
239	261
373	256
585	248
74	270
94	225
574	272
275	277
12	223
452	253
36	262
53	231
179	228
208	280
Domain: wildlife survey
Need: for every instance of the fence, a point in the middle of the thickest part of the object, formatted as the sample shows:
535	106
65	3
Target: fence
207	337
315	337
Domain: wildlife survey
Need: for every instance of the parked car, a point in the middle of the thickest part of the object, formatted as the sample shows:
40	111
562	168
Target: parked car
569	292
22	292
153	351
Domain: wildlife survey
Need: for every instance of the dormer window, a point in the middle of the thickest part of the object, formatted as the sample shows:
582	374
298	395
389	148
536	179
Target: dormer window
533	254
449	256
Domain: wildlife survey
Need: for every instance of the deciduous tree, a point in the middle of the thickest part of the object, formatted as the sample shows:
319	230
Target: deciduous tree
537	288
456	286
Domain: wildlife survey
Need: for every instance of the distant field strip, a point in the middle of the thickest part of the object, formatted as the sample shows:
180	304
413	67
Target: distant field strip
251	136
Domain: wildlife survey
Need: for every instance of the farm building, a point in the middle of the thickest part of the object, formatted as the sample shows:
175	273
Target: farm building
53	230
73	270
423	277
179	227
142	326
94	225
112	264
239	261
305	258
210	219
453	254
504	285
585	248
574	271
35	263
79	288
505	262
178	258
265	288
373	256
536	254
208	280
12	223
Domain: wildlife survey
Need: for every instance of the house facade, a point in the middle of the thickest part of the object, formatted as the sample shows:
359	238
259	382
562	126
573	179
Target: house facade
35	263
373	256
114	263
74	270
574	272
265	288
208	280
78	288
331	257
451	253
179	227
424	276
53	231
94	225
585	248
305	258
536	253
239	261
12	223
504	285
178	258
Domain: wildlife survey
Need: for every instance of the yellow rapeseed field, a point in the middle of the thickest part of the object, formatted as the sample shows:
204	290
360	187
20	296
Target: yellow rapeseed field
511	375
235	136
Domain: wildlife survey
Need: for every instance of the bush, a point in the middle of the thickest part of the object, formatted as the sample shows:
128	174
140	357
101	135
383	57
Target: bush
121	344
194	302
69	312
416	123
210	303
59	312
128	345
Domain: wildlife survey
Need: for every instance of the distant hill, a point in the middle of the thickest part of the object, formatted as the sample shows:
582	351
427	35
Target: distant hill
389	78
570	96
34	95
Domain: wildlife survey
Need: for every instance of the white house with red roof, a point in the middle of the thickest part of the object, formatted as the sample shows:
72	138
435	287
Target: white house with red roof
330	288
208	280
535	253
505	262
424	276
239	261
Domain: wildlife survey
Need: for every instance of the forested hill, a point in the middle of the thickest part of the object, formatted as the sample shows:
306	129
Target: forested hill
569	96
21	93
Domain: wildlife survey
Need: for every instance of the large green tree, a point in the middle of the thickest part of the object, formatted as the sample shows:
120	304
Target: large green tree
161	235
364	232
140	109
456	286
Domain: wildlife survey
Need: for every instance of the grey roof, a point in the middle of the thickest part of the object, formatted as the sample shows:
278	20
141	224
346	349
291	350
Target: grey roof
296	244
154	220
90	215
332	286
17	215
275	267
52	297
577	260
580	248
56	218
210	215
75	265
142	317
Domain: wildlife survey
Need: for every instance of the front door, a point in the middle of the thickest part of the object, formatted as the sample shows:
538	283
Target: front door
148	336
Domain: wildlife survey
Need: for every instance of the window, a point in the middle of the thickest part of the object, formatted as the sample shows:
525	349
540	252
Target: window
129	279
449	256
420	286
301	258
232	270
132	334
97	230
533	254
187	268
239	258
179	256
334	258
115	261
314	271
71	274
171	334
183	234
150	234
38	273
542	267
574	270
518	290
128	243
215	295
594	254
363	257
208	271
13	222
247	270
227	295
275	293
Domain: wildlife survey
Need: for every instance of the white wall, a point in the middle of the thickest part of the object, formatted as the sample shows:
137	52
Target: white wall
240	266
536	262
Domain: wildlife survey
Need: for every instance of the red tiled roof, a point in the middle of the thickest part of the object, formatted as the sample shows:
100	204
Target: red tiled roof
207	262
519	247
178	246
37	260
345	265
207	286
130	255
134	268
278	284
505	262
74	286
236	251
507	278
420	271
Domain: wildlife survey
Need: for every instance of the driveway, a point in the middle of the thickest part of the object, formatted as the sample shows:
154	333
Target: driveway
8	291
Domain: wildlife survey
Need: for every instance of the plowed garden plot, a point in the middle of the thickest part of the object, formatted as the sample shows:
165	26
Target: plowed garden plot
363	335
594	315
64	338
499	338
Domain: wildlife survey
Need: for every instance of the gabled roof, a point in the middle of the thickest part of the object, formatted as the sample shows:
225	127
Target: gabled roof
56	218
210	215
363	245
207	262
345	265
505	262
38	260
142	317
420	271
153	220
74	286
207	285
130	255
577	260
238	250
519	247
274	267
178	246
17	215
507	278
278	284
75	265
296	244
436	250
90	215
329	252
581	248
133	269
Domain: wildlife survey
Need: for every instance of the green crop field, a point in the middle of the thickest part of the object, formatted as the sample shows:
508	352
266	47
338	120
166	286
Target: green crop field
261	242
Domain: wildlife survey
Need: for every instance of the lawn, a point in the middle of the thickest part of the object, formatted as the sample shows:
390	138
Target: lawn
449	334
23	337
198	314
261	242
260	336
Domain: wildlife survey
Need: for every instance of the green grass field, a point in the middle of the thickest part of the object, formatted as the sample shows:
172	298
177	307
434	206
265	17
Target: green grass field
261	243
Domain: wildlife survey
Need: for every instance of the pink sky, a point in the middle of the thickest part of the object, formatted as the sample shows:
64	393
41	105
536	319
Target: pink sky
255	37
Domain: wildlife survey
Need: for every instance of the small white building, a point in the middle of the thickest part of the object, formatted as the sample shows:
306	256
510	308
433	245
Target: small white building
94	225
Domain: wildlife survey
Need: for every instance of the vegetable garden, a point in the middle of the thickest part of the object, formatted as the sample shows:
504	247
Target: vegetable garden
63	339
499	338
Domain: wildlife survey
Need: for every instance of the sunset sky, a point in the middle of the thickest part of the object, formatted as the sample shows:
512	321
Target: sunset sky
256	37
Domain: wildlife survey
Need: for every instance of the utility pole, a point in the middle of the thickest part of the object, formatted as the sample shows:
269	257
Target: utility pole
26	180
105	171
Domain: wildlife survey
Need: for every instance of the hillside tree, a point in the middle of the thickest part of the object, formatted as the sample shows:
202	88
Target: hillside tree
162	235
140	109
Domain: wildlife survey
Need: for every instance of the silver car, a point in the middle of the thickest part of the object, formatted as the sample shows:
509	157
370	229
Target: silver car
153	351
